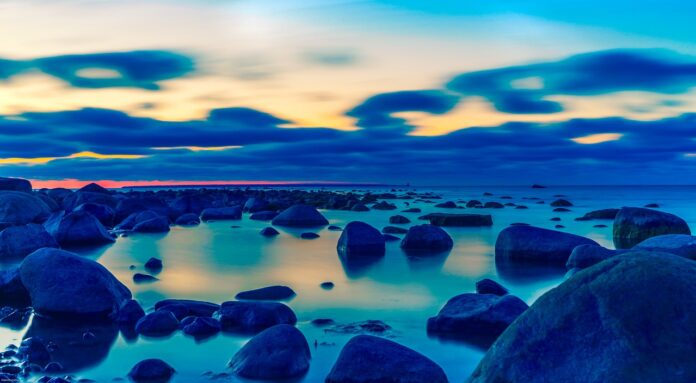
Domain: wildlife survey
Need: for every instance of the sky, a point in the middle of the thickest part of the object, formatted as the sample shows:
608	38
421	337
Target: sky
373	91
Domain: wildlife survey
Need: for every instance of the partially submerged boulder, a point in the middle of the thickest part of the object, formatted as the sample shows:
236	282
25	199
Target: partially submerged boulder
188	219
103	213
19	208
584	256
424	238
679	244
63	284
627	319
269	293
151	370
633	225
279	352
194	308
369	359
599	214
16	242
221	213
158	323
253	316
359	240
300	216
536	245
78	228
489	286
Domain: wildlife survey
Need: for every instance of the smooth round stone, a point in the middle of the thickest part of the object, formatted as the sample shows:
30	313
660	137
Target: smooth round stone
151	370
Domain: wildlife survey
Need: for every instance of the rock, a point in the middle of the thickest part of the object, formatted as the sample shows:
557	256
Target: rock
12	290
103	213
93	188
584	256
188	219
537	186
599	214
221	213
560	210
253	316
447	205
270	293
263	215
474	203
158	323
422	238
300	216
398	220
390	238
76	199
144	278
465	220
412	210
151	370
489	286
394	230
15	184
279	352
269	232
135	218
179	310
679	244
309	235
652	205
253	205
63	284
130	313
190	204
320	322
561	203
360	240
327	285
369	359
200	327
33	350
78	228
537	245
16	242
129	206
19	208
370	326
626	319
158	224
633	225
360	207
493	205
476	316
194	308
334	228
384	205
154	265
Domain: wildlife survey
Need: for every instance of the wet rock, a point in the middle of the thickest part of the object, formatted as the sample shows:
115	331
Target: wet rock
14	318
300	216
309	235
33	350
270	293
144	278
360	240
489	286
253	205
142	203
368	359
200	327
384	205
263	215
154	265
584	256
136	218
221	213
465	220
253	316
421	238
334	228
537	245
561	203
158	323
622	320
19	208
157	224
78	228
561	210
399	220
412	210
394	230
130	313
63	284
188	219
269	232
633	225
447	205
16	242
15	184
12	290
321	322
194	308
279	352
190	203
390	238
93	188
493	205
652	205
371	326
474	203
72	201
151	370
599	214
476	316
360	207
327	285
103	213
679	244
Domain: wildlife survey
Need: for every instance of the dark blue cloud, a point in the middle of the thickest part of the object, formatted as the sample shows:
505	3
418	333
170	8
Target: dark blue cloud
584	75
134	69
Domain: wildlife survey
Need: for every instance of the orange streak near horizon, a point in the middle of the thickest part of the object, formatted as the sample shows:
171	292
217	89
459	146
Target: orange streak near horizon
110	184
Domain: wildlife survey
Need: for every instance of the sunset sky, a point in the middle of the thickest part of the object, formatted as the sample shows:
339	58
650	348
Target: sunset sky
385	91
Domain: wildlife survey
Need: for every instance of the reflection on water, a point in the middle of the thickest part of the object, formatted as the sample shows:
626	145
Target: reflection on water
213	262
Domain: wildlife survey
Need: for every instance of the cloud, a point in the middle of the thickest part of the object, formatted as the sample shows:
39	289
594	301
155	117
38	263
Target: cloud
331	57
134	69
582	75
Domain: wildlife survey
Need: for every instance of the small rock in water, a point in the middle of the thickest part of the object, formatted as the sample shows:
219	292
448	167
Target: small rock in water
200	327
536	245
334	228
144	278
263	216
489	286
188	219
269	232
359	240
447	205
384	205
559	227
270	293
221	213
253	316
323	322
130	313
412	210
422	238
154	265
309	235
652	205
194	308
300	216
399	220
327	285
561	210
158	323
151	370
561	203
364	327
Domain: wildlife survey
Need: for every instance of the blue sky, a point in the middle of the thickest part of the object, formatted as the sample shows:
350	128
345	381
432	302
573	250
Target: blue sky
497	92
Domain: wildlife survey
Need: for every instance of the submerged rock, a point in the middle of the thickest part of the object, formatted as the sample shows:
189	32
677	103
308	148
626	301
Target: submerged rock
426	238
279	352
63	284
16	242
144	278
561	203
78	228
679	244
300	216
253	316
360	240
369	359
537	245
464	220
151	370
221	213
269	232
489	286
370	326
627	319
633	225
270	293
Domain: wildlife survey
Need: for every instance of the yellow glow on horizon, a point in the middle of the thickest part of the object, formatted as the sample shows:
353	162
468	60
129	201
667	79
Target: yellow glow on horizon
597	138
85	154
198	148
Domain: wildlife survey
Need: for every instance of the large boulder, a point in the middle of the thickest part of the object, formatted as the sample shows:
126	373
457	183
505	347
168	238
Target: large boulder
76	199
679	244
279	352
158	323
584	256
253	316
136	218
63	284
129	206
15	184
103	213
629	318
16	242
12	290
221	213
464	220
633	225
190	204
369	359
159	224
536	245
423	238
19	208
358	240
78	228
300	216
478	317
253	205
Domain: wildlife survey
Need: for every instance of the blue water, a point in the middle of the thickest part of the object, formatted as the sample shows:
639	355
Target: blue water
214	261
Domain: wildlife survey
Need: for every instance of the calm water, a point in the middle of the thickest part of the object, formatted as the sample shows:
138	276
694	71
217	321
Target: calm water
214	261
